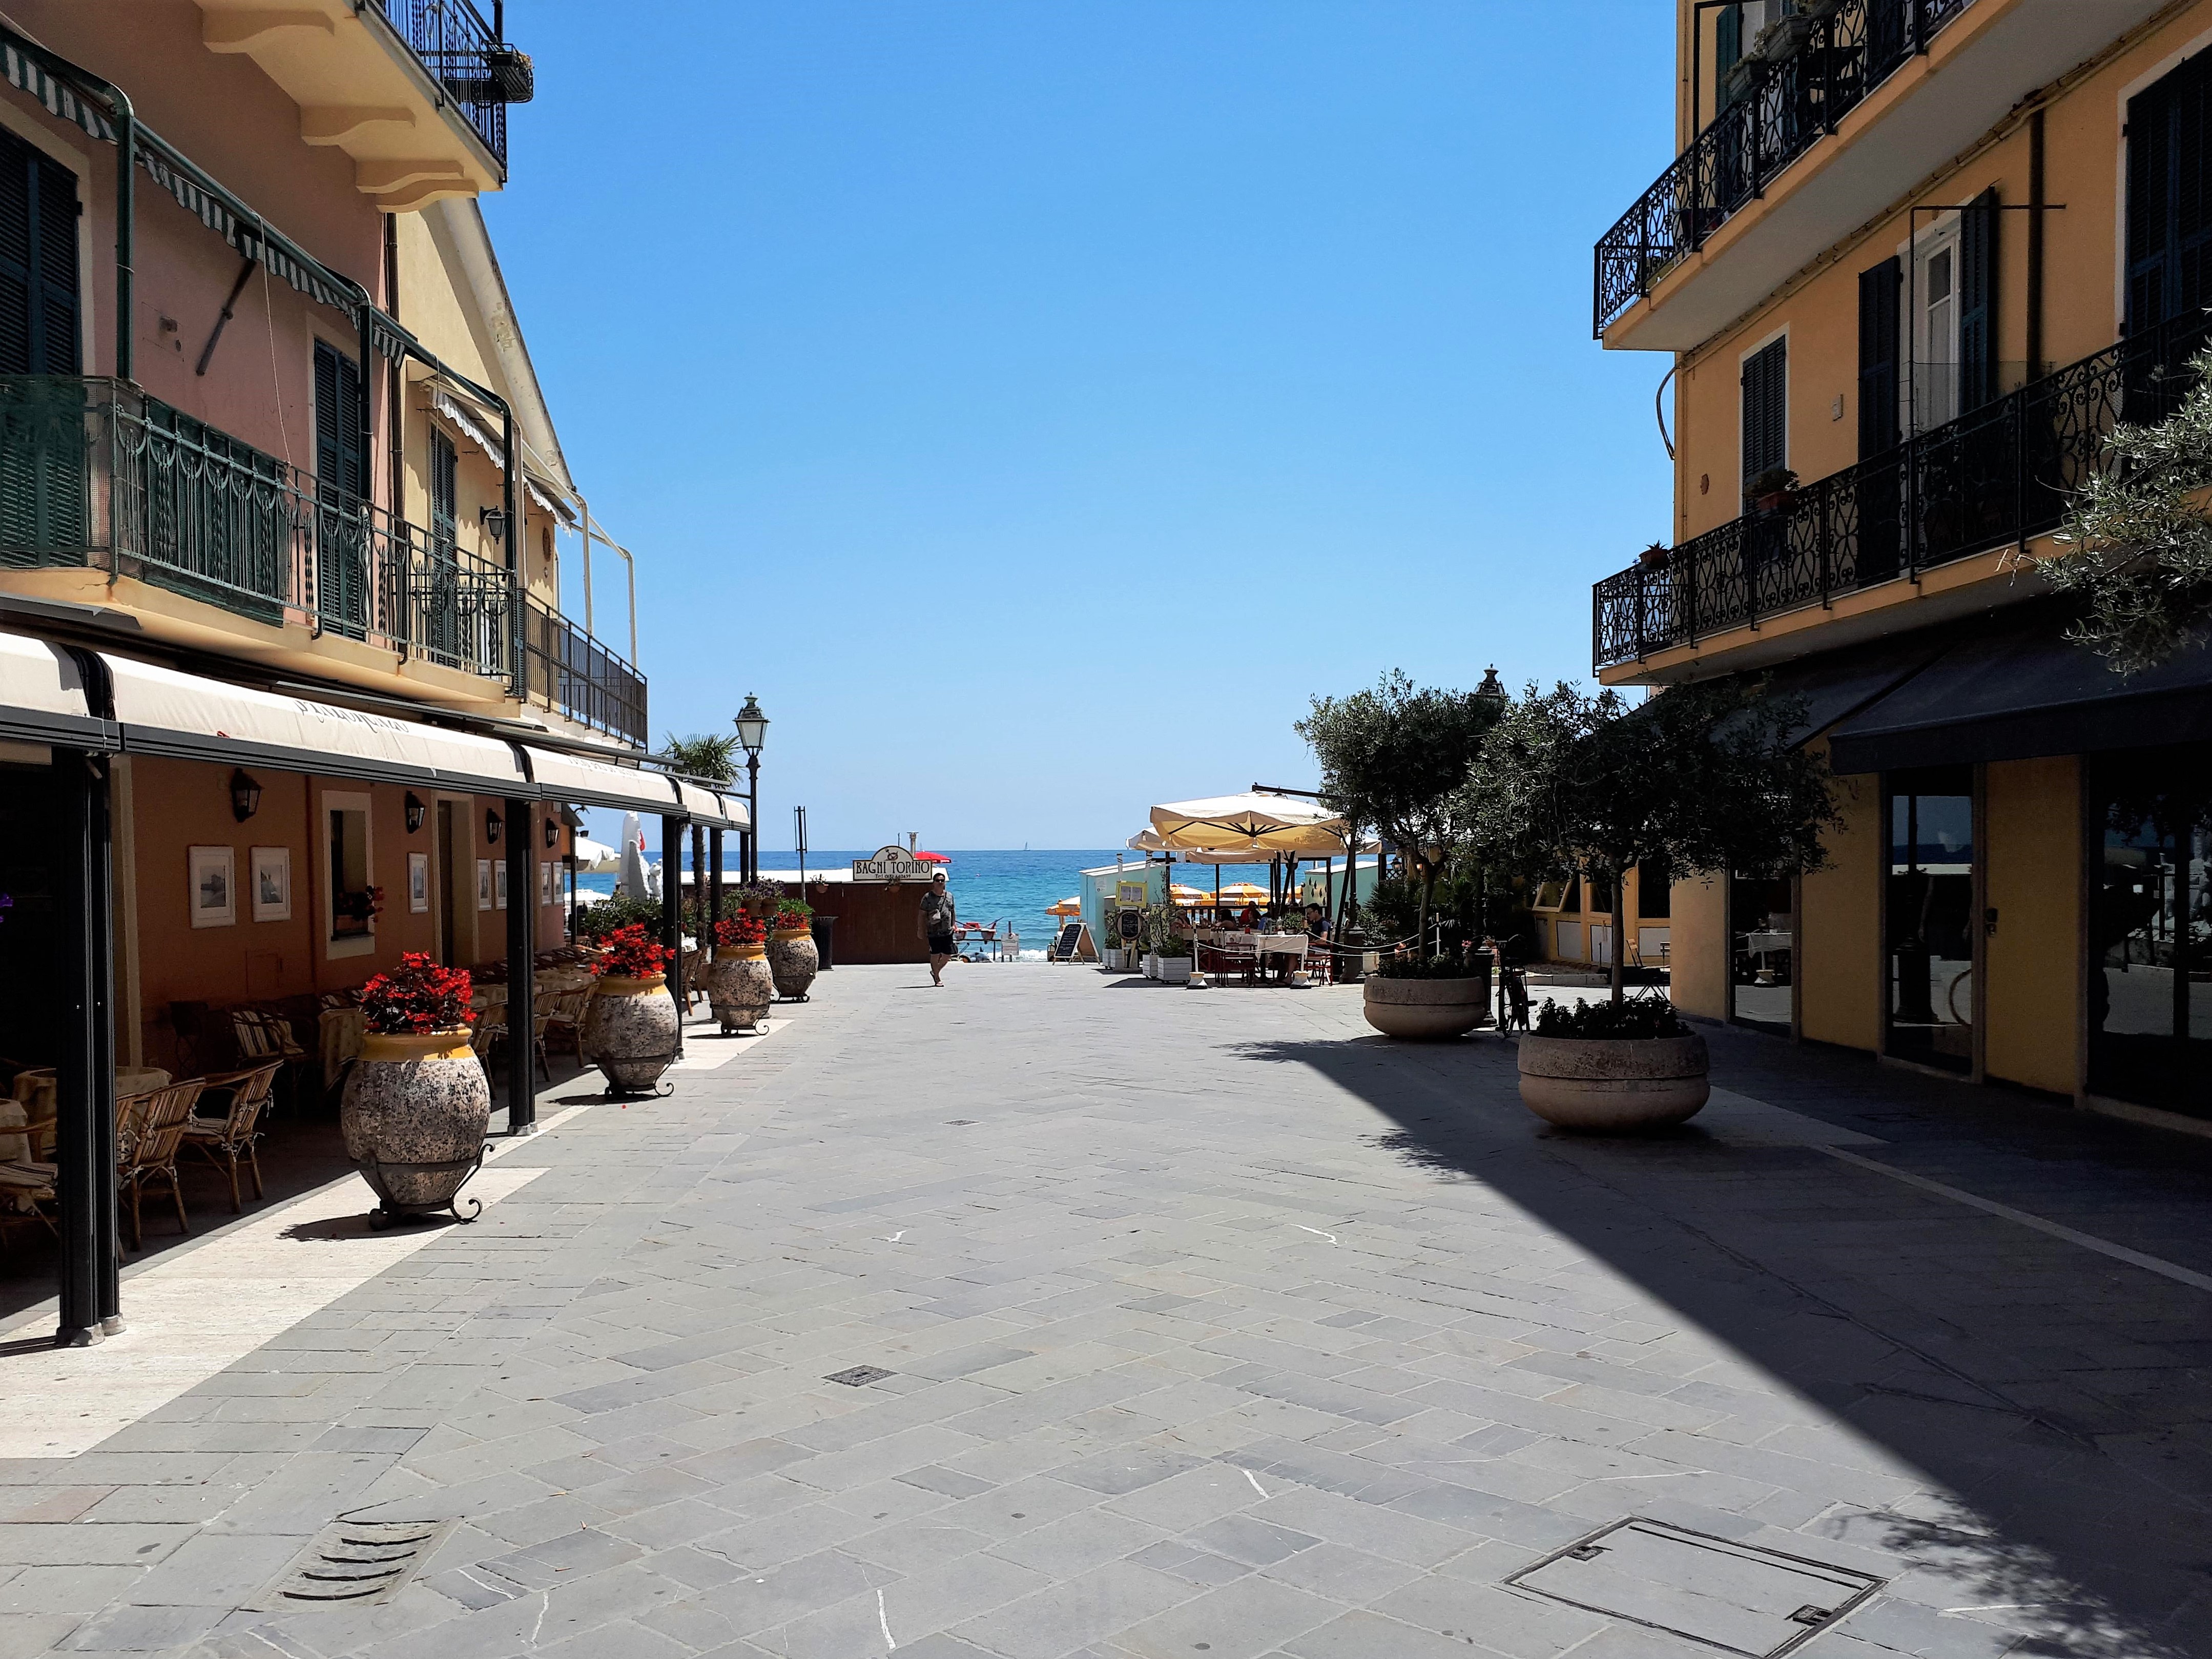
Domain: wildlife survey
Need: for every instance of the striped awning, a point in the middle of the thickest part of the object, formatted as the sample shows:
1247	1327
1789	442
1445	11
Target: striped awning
63	101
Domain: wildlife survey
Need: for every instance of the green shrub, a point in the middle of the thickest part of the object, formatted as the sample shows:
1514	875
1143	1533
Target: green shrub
1410	967
595	922
1633	1019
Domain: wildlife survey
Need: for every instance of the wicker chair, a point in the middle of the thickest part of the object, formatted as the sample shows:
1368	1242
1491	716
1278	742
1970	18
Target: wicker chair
156	1136
262	1036
225	1141
564	1018
487	1036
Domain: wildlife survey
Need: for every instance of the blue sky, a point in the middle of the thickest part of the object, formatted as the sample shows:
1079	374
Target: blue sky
1036	404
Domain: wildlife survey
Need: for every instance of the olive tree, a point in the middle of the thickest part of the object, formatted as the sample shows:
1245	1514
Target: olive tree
1708	779
1396	756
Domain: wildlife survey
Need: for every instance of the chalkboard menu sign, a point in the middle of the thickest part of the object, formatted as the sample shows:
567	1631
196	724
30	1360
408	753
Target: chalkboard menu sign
1070	937
1132	923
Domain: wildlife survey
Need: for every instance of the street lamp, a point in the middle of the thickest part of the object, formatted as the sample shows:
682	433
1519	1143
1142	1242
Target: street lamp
753	733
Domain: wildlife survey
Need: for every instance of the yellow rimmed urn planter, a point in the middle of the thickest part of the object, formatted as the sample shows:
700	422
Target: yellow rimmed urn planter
793	959
1614	1068
416	1105
739	982
631	1027
1427	1001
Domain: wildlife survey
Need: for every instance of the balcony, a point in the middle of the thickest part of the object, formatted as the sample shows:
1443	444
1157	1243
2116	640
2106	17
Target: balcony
1999	474
466	57
95	475
1854	104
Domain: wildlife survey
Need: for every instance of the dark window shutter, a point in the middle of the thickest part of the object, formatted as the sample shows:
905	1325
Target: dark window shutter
1977	301
442	508
2188	289
1728	48
39	302
2169	230
1765	408
2150	179
341	435
1879	291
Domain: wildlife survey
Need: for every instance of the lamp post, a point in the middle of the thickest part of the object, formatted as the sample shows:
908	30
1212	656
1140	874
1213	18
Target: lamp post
753	733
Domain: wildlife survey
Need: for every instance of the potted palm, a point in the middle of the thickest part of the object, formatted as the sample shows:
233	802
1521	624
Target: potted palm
740	984
630	1025
1707	779
1769	491
416	1103
792	955
1407	997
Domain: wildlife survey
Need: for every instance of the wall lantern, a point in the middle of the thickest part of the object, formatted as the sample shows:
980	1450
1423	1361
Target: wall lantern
552	832
495	523
492	827
416	813
245	796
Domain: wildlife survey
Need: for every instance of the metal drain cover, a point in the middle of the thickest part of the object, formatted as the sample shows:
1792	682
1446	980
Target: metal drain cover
353	1563
858	1378
1759	1603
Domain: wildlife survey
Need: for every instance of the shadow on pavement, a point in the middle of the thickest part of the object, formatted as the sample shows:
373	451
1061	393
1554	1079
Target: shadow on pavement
2062	1397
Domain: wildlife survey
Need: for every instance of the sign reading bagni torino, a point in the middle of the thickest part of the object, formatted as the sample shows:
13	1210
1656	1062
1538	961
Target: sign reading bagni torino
892	864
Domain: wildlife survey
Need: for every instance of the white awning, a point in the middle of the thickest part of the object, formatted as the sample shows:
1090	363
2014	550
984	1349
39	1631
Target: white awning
716	811
594	783
42	698
162	711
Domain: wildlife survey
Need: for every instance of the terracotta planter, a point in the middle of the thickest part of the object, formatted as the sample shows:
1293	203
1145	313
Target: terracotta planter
793	961
1613	1086
1425	1009
630	1030
739	986
413	1116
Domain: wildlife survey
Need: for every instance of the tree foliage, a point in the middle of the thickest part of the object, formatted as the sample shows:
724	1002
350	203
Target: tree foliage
2136	542
1396	757
1707	779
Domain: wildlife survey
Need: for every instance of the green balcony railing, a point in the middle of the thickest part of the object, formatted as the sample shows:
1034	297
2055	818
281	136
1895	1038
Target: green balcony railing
95	474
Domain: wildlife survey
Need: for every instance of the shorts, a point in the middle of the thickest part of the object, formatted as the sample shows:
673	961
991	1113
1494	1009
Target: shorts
941	945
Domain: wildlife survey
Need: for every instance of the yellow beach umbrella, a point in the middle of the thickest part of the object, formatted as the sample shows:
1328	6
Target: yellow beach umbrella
1190	895
1239	892
1067	907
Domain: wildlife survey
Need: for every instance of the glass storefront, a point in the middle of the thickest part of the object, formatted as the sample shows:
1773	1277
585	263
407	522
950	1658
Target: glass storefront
1929	899
1763	956
2150	966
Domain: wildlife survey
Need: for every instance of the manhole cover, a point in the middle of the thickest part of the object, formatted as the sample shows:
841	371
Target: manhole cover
858	1378
1756	1602
352	1562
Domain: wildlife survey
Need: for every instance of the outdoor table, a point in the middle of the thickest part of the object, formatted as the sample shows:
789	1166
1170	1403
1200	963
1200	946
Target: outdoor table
339	1034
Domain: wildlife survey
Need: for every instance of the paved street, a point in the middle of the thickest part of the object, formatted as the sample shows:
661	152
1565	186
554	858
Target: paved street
1211	1325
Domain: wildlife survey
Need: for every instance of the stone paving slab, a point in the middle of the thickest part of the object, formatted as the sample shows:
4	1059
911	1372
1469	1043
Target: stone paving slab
1211	1323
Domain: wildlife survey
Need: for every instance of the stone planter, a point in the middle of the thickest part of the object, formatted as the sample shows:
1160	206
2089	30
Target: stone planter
793	961
630	1030
1424	1009
740	986
413	1116
1613	1086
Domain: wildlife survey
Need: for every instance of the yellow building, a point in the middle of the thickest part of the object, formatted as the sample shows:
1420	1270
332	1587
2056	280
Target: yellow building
1913	260
288	686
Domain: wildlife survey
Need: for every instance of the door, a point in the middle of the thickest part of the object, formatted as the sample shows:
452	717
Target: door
1931	939
1763	952
343	552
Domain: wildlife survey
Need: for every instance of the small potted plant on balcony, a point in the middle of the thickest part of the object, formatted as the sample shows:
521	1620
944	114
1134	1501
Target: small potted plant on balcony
1440	997
631	1025
416	1103
740	984
1769	491
792	956
1654	557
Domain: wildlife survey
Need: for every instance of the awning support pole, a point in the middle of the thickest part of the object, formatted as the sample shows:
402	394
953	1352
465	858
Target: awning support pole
85	1132
713	911
521	969
672	912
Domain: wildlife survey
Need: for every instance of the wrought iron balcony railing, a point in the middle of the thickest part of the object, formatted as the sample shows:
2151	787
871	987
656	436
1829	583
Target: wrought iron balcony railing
2001	473
465	54
1821	64
94	474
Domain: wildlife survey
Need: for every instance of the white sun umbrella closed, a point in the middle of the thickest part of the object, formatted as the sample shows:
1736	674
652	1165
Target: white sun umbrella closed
631	883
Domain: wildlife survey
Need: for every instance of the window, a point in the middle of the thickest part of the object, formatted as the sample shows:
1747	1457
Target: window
38	307
1655	885
1936	337
1765	408
1930	901
2169	213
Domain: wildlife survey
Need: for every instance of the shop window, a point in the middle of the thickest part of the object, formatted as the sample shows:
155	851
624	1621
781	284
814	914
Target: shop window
2151	968
352	899
1929	903
1599	892
1654	887
1763	955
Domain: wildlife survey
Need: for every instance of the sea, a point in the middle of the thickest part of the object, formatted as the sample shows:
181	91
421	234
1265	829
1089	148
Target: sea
1003	886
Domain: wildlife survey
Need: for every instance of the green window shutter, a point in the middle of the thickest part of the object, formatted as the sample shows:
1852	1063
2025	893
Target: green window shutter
1977	302
1766	408
1880	289
2169	220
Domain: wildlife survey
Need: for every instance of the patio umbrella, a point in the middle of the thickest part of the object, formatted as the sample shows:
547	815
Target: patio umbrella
595	857
1067	907
1271	824
1241	892
932	858
1189	895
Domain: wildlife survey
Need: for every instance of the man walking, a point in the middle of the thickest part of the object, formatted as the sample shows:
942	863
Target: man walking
935	920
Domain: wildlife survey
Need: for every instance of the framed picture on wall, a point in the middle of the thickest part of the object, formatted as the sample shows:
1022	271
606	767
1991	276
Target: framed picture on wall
418	883
271	870
211	873
548	890
499	880
484	884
